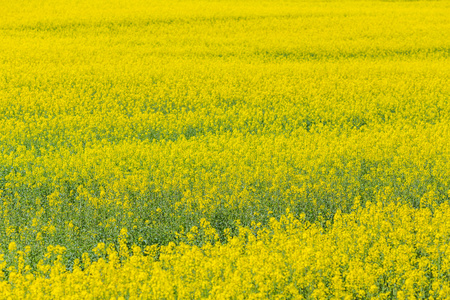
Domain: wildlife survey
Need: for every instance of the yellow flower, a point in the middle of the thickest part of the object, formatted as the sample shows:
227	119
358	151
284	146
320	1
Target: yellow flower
12	246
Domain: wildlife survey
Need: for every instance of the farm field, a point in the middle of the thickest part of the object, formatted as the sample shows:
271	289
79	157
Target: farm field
189	149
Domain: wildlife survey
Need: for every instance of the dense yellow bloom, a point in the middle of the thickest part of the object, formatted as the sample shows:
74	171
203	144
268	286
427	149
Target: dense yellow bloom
224	149
392	250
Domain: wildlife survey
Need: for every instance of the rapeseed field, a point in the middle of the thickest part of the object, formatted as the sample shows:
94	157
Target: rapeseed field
229	149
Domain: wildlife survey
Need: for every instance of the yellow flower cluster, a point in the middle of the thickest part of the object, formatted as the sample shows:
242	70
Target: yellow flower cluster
383	251
152	149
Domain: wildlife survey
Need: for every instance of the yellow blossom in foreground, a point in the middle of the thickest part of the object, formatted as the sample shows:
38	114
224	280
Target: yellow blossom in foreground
377	251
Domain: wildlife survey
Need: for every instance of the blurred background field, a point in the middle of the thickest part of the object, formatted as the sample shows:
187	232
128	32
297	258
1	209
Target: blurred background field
132	123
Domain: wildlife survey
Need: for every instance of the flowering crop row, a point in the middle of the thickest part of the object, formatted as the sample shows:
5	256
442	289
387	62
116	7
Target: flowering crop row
383	251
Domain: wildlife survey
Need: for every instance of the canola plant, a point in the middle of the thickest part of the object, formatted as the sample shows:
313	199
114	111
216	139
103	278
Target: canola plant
224	149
